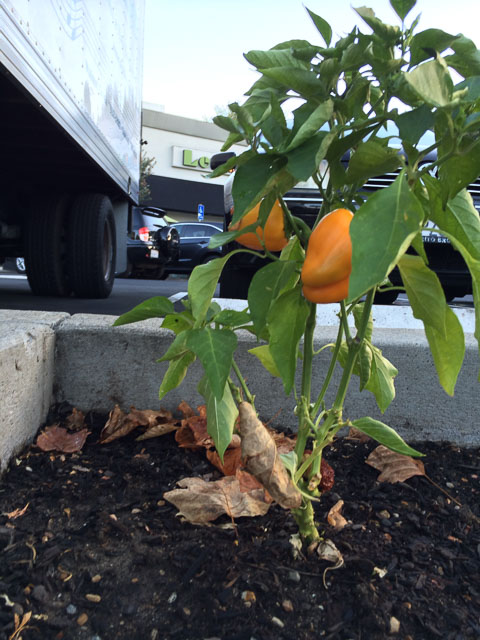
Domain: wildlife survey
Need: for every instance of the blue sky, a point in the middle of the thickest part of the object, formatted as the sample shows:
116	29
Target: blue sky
194	48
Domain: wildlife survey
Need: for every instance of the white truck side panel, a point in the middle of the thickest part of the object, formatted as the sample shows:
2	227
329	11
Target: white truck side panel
82	61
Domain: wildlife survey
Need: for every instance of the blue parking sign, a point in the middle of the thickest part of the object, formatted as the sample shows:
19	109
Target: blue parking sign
200	212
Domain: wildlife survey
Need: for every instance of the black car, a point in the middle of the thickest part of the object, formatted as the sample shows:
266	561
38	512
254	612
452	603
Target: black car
193	249
151	243
304	203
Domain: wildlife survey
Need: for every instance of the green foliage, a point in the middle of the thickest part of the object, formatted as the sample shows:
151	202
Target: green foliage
371	103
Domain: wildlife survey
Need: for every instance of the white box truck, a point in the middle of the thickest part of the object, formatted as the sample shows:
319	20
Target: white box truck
70	127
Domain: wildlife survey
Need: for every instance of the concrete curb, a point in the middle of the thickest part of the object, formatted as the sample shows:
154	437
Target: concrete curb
53	357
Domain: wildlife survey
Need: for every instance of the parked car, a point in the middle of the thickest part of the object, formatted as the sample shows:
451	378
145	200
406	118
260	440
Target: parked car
447	263
193	249
151	244
15	264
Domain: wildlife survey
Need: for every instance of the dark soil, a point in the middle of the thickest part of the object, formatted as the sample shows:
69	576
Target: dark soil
98	554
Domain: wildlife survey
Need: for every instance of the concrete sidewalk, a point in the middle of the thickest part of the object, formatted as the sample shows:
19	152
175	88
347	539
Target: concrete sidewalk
53	357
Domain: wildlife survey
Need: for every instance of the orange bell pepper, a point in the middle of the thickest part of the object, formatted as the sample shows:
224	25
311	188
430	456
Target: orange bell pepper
328	260
273	234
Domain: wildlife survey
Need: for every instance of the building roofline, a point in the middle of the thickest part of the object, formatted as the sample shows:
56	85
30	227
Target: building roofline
179	124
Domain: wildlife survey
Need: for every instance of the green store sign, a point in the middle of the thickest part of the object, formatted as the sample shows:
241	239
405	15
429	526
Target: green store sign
203	162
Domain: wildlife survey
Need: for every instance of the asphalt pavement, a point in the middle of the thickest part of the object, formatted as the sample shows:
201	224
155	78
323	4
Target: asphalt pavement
127	293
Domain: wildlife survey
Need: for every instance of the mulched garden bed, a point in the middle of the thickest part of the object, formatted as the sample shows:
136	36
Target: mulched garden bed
98	554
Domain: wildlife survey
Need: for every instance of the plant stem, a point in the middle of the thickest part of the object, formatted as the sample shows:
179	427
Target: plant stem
305	519
304	421
243	384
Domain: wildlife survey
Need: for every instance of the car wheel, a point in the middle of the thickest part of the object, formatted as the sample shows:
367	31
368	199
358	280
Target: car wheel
45	247
91	246
20	265
385	297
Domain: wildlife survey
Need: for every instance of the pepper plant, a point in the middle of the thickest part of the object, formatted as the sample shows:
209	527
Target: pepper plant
375	96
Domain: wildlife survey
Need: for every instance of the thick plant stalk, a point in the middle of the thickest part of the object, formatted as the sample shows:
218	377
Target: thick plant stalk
261	458
305	519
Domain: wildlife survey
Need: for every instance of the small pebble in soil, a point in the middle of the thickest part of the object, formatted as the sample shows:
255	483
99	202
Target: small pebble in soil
71	609
394	625
277	622
93	597
287	606
82	619
172	597
294	576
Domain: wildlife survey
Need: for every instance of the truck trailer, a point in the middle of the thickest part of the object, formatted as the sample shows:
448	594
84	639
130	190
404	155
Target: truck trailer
70	131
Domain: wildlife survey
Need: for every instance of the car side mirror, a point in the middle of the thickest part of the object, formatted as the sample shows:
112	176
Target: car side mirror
220	158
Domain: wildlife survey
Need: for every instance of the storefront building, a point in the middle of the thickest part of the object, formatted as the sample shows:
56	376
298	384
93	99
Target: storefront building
182	149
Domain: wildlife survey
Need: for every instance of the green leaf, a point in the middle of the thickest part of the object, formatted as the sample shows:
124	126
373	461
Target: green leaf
286	324
302	81
426	44
274	58
303	160
431	82
402	7
424	291
221	415
413	124
254	179
385	435
177	348
371	159
178	322
312	124
386	32
202	284
381	378
324	29
224	122
460	170
396	216
175	374
264	355
448	353
154	308
214	348
232	318
266	285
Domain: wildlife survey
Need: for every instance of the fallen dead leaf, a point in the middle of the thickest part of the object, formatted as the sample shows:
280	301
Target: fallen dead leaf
120	424
394	467
17	513
158	430
186	409
76	420
356	434
201	502
57	438
232	458
262	459
334	516
193	433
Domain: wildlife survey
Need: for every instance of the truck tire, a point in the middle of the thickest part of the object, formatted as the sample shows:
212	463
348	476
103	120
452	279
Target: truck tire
91	246
45	247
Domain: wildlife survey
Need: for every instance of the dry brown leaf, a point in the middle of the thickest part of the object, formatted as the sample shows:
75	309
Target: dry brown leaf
334	516
201	502
193	433
115	427
394	467
76	420
186	409
16	513
158	430
149	418
232	460
262	459
356	434
57	438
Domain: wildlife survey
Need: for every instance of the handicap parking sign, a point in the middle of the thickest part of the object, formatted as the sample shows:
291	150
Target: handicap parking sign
200	212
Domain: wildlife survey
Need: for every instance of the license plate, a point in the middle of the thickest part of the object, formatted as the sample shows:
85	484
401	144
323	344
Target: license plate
429	236
153	253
